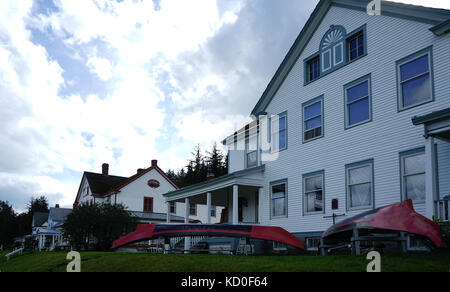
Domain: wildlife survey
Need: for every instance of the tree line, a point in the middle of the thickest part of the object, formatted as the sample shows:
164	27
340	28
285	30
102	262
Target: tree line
13	224
198	167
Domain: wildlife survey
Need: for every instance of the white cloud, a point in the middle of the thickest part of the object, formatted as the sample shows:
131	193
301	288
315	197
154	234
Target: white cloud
100	66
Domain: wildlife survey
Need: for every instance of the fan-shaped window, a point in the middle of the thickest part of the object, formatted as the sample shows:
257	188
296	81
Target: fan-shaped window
332	48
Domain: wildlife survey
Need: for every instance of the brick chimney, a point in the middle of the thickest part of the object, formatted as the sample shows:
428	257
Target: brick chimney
154	163
140	170
105	169
57	206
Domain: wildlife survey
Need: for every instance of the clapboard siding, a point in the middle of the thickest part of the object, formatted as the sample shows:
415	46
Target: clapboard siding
389	133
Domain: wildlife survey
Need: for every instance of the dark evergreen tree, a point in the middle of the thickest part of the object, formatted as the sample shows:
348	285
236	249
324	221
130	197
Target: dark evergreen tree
8	224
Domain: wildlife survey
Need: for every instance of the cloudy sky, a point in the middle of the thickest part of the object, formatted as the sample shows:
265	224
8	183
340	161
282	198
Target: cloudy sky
91	81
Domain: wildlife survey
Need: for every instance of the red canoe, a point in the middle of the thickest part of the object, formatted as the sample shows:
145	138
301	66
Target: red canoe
155	231
396	217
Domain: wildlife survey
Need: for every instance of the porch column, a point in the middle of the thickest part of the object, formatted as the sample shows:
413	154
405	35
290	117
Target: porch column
260	199
235	205
168	212
208	204
430	177
187	240
186	210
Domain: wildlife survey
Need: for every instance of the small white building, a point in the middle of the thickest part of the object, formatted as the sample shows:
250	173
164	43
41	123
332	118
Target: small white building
356	117
142	195
47	228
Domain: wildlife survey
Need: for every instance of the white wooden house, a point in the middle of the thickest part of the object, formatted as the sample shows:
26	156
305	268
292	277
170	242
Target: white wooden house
356	117
141	193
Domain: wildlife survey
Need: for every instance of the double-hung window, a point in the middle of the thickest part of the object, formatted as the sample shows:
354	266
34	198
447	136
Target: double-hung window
313	119
359	177
314	69
358	102
313	190
415	79
279	132
193	209
173	208
413	175
355	46
279	199
148	204
213	211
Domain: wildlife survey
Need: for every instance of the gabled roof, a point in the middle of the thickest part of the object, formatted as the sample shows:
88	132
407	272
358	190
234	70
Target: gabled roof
39	218
126	182
59	214
100	184
431	16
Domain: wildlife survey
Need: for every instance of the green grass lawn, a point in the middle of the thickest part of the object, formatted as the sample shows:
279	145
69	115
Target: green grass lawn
130	262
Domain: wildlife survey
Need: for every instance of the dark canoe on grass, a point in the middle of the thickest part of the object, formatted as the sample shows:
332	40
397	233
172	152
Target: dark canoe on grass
393	218
155	231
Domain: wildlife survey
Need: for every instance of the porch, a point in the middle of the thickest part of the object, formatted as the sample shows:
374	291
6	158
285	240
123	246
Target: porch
436	127
238	193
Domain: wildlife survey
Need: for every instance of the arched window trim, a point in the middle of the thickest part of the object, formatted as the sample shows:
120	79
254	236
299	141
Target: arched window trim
341	45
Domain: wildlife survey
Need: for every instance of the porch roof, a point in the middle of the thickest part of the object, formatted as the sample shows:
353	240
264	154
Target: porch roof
436	124
244	177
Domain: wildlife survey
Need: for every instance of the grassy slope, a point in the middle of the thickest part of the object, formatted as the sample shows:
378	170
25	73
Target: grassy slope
126	262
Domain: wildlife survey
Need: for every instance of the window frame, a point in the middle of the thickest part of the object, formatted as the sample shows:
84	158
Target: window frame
153	205
408	59
366	78
402	156
272	133
309	63
174	207
350	38
307	104
356	165
277	183
190	209
304	178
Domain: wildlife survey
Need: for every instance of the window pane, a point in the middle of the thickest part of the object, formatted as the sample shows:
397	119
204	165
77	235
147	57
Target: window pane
282	136
416	91
360	175
360	195
326	60
282	123
414	68
338	54
278	207
313	183
252	159
358	112
358	91
311	124
314	202
313	110
415	187
414	164
278	189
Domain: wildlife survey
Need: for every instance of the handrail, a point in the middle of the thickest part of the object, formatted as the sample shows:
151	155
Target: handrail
19	250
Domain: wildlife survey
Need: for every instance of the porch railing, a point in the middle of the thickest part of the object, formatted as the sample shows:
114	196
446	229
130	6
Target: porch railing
443	210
